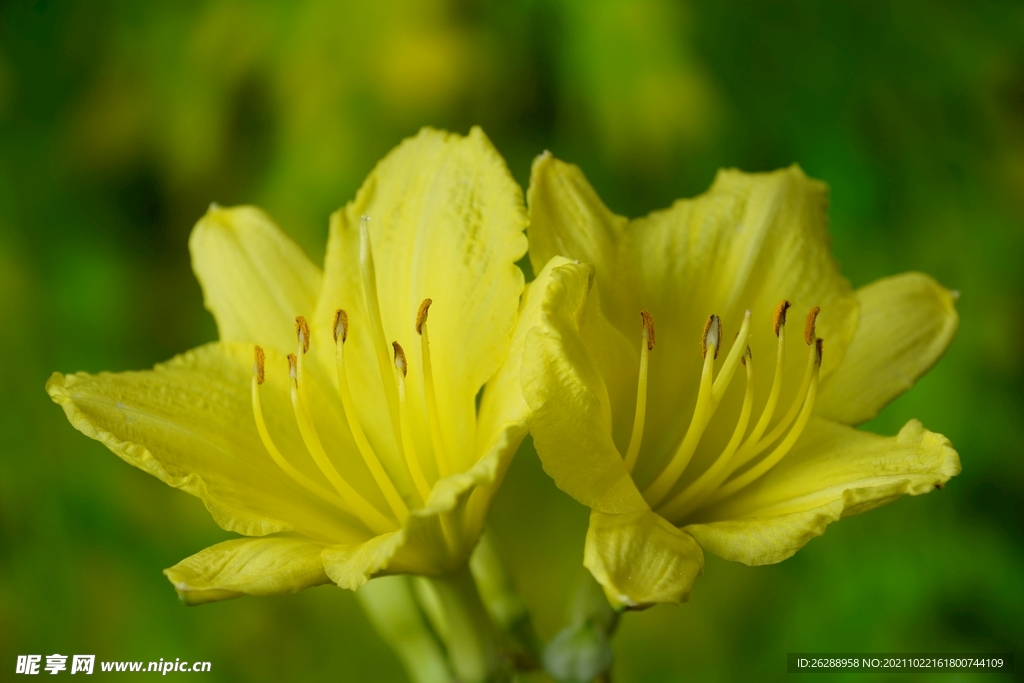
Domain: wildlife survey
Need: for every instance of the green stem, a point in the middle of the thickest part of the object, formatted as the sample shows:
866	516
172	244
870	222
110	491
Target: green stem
471	637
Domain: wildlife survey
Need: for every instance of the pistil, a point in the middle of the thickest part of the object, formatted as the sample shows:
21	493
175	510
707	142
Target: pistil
380	345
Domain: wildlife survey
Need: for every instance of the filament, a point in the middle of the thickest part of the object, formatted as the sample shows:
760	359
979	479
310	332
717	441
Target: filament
387	487
366	512
646	346
444	465
275	454
412	461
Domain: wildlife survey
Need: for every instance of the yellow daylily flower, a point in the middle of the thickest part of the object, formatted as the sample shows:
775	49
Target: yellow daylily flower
336	420
750	461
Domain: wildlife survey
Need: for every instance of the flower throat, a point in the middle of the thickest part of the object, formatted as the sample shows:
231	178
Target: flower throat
393	370
726	474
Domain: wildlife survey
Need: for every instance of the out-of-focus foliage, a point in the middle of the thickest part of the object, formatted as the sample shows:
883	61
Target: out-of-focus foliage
120	121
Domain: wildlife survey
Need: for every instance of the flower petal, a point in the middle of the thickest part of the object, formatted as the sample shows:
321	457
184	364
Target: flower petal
255	280
572	421
446	223
749	242
906	324
271	565
640	559
189	423
833	471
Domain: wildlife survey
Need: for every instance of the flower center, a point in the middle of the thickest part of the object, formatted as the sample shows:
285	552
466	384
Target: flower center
739	463
393	374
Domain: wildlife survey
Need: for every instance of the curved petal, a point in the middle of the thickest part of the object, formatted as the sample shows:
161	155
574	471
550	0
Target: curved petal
189	423
271	565
640	559
834	471
568	219
572	422
446	223
255	280
422	545
906	323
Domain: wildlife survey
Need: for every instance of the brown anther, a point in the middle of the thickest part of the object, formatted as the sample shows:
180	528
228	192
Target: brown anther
745	356
400	361
302	332
421	315
780	316
257	366
340	325
712	330
812	316
293	366
818	344
648	323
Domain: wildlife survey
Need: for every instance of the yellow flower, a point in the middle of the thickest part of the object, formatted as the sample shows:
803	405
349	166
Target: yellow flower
336	420
749	462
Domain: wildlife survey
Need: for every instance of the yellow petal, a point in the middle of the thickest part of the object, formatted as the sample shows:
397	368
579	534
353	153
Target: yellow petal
189	423
568	219
249	566
833	471
255	280
572	422
640	559
906	324
446	223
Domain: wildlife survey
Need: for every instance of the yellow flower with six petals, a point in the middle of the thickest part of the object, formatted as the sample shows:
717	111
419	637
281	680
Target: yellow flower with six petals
749	462
338	420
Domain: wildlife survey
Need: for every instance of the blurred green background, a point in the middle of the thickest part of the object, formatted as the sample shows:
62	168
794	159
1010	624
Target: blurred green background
121	121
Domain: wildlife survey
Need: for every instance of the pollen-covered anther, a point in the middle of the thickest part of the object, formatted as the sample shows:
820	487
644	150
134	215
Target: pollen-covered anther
818	345
340	326
812	317
421	315
780	316
648	323
302	333
293	371
712	335
258	365
400	361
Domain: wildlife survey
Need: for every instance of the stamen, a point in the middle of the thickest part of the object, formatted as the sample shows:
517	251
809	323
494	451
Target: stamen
732	361
747	450
783	448
701	415
646	346
690	497
268	443
444	467
411	460
369	515
708	398
387	487
712	335
752	448
380	345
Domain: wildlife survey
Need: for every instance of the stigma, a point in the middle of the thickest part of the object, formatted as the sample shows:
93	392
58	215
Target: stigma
751	451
